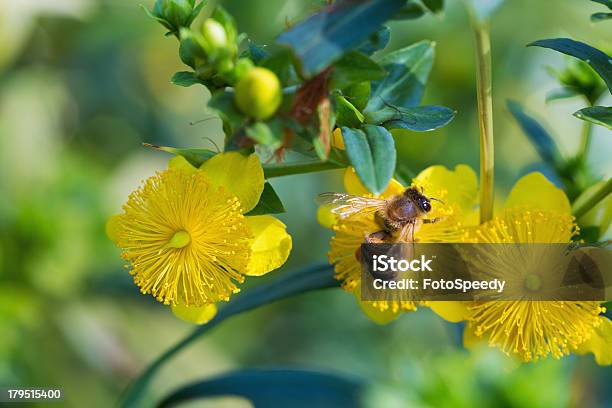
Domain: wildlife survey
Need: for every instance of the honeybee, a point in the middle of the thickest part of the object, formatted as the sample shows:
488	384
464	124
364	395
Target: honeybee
397	216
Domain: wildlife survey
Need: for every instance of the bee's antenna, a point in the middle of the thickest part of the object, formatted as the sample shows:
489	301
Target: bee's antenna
422	190
436	199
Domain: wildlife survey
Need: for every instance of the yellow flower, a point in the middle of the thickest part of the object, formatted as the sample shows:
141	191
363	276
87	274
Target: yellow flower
458	190
187	239
535	212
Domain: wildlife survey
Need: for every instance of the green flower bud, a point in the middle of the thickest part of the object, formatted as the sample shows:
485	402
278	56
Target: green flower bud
214	34
174	14
258	93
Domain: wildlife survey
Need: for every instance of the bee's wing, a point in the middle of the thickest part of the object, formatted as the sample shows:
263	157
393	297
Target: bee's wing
348	204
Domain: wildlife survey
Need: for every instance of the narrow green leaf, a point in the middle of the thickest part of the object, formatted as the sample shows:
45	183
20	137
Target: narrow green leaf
597	17
355	67
435	6
372	154
185	78
419	119
303	280
269	202
600	115
276	388
537	134
194	156
326	36
376	41
598	60
562	93
347	114
408	70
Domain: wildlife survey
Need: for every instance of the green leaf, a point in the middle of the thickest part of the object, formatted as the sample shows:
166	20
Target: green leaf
323	38
537	134
607	3
411	11
372	154
419	119
355	67
435	6
600	115
281	63
276	388
185	78
597	17
264	135
303	280
347	114
222	103
408	70
598	60
358	94
190	48
269	202
562	93
194	156
257	52
376	41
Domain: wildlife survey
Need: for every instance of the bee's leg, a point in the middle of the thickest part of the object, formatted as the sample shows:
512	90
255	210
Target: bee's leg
431	220
378	237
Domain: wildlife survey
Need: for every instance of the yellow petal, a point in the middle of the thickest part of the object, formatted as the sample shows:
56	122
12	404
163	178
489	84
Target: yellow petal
470	340
353	185
337	139
450	311
457	188
374	314
271	244
241	175
181	163
599	343
195	314
112	228
536	192
326	217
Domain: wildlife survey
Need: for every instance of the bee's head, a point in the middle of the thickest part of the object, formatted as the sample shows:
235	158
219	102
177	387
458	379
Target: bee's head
419	199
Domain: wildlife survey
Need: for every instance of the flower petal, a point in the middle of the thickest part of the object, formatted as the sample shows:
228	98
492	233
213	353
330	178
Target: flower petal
195	314
241	175
112	228
599	343
337	139
326	217
270	246
181	163
374	314
457	188
470	340
450	311
535	191
353	185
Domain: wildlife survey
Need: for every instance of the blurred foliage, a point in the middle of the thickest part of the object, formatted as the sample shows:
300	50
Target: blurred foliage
84	82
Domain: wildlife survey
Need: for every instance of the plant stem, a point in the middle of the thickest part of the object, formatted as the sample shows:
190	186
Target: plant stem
286	169
485	117
579	210
585	141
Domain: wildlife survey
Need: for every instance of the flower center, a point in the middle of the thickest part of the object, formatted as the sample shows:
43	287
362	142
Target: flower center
533	282
179	240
